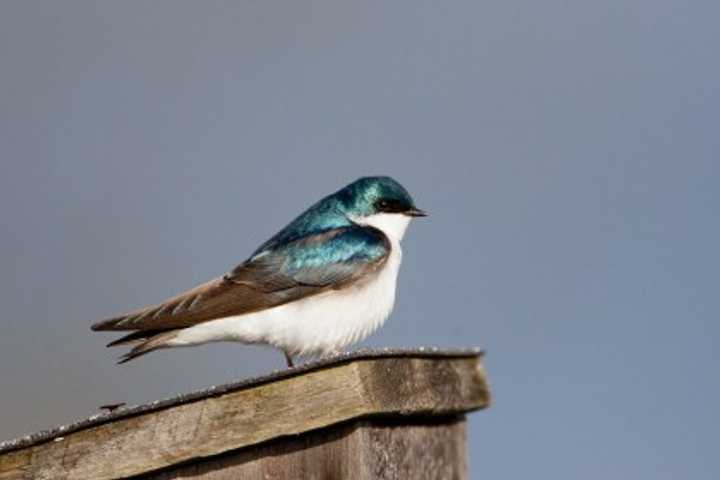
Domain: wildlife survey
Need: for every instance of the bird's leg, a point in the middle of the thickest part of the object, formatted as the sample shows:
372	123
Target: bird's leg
288	359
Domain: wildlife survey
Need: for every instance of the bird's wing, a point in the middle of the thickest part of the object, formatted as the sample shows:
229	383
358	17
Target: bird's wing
329	260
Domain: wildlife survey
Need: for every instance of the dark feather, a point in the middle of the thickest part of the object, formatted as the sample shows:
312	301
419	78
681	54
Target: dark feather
153	343
137	336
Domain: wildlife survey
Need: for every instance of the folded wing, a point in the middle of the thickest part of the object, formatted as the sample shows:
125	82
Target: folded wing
310	265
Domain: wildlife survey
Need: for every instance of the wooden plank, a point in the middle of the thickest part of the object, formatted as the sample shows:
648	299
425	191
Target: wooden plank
291	405
375	449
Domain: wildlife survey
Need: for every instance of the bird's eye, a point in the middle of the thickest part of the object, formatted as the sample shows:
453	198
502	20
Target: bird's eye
388	206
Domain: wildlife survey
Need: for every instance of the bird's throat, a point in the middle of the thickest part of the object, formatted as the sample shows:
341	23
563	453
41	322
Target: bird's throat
391	224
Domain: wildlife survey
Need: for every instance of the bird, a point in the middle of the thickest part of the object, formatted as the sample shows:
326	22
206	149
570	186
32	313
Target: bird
325	281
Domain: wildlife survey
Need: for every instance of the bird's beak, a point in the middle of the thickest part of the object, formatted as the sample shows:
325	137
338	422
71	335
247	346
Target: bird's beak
415	212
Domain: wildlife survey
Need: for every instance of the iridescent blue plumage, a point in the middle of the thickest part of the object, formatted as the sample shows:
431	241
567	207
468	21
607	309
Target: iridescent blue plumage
347	252
323	246
329	259
337	210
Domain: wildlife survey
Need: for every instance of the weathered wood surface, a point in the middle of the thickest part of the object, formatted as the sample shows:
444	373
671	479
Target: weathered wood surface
375	449
143	439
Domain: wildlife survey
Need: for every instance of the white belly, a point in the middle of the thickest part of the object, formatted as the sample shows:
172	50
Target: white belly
318	325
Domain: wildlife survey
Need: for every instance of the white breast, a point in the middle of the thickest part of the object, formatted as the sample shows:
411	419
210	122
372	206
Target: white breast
321	324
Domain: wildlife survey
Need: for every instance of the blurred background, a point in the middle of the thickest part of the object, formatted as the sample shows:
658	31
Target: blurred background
567	153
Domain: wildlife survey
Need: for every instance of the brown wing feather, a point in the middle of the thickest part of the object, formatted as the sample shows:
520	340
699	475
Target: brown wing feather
215	299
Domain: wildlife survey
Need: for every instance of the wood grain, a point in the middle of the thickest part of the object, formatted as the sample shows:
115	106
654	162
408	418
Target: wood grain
206	427
433	449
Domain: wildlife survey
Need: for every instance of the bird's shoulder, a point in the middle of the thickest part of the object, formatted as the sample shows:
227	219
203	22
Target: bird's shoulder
317	258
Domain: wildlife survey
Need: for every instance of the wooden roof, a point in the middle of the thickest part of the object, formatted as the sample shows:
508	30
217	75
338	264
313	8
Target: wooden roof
366	383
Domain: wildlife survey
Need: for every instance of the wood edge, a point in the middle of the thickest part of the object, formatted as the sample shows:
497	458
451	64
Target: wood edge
372	410
48	435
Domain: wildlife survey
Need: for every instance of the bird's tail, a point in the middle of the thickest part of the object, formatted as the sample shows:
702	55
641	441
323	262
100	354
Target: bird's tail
155	342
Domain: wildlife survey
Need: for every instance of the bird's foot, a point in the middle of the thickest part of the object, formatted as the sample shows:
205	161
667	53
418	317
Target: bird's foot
288	359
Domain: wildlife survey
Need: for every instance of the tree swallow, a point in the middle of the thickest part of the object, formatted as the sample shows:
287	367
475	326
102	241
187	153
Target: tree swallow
323	282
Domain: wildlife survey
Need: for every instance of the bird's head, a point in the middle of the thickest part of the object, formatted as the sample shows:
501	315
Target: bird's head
380	202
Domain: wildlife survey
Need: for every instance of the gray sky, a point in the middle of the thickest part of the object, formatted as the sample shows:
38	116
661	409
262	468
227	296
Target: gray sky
567	151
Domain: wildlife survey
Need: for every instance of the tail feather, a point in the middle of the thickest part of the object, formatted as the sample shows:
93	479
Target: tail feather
156	342
134	337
